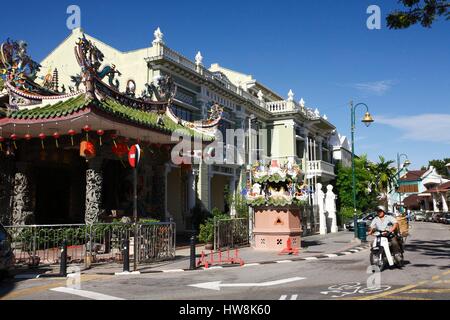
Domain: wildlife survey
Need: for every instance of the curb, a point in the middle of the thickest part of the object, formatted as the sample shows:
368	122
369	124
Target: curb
350	251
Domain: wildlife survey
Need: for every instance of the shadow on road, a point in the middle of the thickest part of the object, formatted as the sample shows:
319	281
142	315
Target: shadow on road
438	249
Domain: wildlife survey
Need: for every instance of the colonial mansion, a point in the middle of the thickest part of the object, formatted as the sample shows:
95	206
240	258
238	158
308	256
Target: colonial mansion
45	178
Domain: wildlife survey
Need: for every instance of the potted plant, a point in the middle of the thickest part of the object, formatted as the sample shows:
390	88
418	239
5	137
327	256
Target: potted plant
206	233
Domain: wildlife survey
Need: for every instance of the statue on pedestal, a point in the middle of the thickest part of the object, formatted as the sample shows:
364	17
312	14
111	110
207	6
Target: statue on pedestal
330	207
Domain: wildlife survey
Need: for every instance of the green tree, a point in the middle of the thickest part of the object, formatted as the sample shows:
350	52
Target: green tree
384	178
366	197
440	166
424	12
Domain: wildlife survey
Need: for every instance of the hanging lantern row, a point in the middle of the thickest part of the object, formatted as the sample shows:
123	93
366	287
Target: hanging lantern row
119	149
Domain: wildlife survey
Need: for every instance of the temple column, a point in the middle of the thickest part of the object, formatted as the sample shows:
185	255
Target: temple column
94	188
6	190
22	204
192	189
167	169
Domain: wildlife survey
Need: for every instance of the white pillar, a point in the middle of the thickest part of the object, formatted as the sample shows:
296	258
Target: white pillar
444	203
330	207
320	196
435	207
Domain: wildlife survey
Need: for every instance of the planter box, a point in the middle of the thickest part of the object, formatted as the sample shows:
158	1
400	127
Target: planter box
275	225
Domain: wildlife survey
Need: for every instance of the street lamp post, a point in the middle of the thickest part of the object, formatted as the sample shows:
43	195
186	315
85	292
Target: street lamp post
367	120
405	164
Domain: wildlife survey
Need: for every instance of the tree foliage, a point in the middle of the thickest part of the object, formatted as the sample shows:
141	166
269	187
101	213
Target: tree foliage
364	180
384	178
440	166
424	12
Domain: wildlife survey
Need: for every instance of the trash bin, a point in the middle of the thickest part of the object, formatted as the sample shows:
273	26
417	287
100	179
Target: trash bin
362	231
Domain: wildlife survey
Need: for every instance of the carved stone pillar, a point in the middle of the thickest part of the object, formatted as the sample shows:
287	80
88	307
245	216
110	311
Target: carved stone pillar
94	188
6	190
22	210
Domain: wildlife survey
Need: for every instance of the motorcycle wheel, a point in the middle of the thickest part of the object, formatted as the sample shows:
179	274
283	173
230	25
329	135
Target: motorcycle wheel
377	261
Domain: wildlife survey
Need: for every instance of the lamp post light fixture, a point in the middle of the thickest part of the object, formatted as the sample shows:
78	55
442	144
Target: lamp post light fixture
405	164
367	120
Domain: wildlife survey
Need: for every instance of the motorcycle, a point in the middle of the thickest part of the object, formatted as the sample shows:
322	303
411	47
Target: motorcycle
381	254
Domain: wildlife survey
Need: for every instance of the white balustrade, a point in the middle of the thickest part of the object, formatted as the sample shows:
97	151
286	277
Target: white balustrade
319	167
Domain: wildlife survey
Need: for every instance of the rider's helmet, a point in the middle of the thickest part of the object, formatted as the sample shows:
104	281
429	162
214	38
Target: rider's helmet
381	208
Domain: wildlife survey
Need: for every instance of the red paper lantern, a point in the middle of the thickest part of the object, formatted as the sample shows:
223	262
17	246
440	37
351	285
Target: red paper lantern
28	137
14	138
114	137
56	135
87	149
71	133
86	129
42	137
120	149
100	134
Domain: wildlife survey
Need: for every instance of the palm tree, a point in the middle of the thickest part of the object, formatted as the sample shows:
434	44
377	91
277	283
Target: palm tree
384	178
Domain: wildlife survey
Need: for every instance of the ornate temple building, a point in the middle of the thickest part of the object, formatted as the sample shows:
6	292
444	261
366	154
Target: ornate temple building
66	125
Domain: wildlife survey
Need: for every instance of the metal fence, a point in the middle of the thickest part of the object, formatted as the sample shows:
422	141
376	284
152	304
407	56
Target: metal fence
231	233
100	243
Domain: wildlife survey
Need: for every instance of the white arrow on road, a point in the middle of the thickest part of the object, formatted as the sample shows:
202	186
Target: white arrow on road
216	285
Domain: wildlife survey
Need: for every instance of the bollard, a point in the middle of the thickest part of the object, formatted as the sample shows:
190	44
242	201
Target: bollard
192	265
63	265
126	254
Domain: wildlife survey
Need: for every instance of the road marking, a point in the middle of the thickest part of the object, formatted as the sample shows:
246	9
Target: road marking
127	273
405	298
311	258
85	294
173	270
354	250
251	265
216	285
212	268
283	261
16	294
331	255
388	293
346	253
430	291
293	297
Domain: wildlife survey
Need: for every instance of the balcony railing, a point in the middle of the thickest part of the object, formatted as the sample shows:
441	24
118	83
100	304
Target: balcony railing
319	168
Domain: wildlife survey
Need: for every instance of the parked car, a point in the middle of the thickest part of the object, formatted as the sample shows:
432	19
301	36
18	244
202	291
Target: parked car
446	218
367	218
420	216
442	217
429	216
6	254
437	217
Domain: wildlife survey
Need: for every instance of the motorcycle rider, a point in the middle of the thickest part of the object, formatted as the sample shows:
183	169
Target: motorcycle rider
386	223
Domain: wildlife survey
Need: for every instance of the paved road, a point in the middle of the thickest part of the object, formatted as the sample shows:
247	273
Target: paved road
426	276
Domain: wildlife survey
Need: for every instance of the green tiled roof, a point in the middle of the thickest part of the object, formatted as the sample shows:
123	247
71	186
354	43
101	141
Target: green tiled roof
115	109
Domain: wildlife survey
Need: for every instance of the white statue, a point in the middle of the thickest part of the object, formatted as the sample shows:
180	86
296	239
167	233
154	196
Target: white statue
291	96
317	113
330	207
256	190
199	59
158	36
260	96
320	202
325	117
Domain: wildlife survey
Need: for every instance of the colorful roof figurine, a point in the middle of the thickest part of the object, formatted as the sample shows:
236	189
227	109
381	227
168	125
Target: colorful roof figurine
28	101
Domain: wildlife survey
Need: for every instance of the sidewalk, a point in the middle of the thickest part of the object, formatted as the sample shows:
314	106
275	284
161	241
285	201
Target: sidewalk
312	246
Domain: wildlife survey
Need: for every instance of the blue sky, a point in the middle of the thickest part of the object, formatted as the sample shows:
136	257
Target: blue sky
322	50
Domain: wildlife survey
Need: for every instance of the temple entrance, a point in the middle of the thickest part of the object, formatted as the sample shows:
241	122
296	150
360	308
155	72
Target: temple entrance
60	194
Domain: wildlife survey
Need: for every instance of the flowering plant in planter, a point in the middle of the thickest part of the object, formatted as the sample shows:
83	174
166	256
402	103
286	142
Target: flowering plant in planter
276	185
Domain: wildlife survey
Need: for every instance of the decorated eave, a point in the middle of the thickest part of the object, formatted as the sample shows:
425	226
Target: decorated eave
29	109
